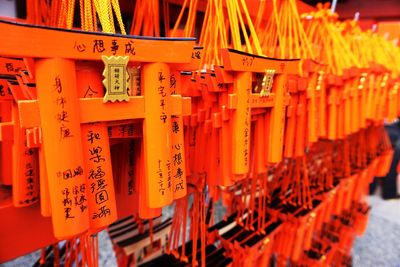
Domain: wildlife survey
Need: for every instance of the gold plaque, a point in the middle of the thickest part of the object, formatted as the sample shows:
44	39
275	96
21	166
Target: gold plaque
115	78
266	85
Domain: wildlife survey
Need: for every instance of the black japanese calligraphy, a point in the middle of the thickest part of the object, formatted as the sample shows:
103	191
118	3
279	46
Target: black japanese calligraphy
90	93
114	46
80	47
98	46
129	48
71	173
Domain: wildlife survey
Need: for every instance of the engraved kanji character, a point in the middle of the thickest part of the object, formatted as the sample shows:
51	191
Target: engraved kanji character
129	48
98	46
62	116
65	132
57	84
114	46
175	127
92	136
177	159
67	213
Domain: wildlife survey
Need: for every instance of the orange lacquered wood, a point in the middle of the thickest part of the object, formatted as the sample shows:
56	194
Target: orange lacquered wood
322	108
156	134
125	130
260	141
311	223
301	125
195	60
277	120
256	101
332	113
291	123
225	148
312	113
362	100
298	242
384	163
341	115
371	92
125	162
5	92
23	224
6	138
241	61
241	120
55	79
10	66
382	104
25	167
144	210
178	156
25	40
45	205
214	176
376	97
339	198
96	154
347	100
267	131
94	110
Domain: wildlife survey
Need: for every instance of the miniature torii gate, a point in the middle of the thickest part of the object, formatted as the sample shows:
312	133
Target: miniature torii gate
21	170
55	51
8	69
242	100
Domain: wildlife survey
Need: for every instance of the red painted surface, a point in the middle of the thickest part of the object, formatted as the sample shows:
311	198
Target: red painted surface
23	230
